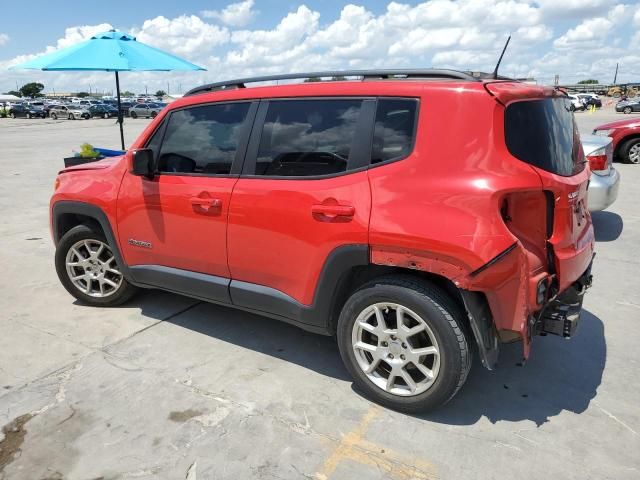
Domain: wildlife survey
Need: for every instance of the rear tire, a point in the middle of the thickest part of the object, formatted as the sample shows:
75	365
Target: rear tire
28	115
153	114
105	115
133	115
72	116
54	116
630	151
12	115
88	269
421	381
627	110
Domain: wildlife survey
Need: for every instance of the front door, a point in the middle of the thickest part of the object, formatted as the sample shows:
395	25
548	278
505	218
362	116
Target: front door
176	223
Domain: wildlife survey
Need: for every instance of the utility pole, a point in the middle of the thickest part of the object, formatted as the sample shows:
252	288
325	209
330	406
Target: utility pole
168	93
615	77
145	90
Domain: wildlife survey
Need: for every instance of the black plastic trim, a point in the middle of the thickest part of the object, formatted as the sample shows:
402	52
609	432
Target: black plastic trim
92	211
484	330
194	284
494	260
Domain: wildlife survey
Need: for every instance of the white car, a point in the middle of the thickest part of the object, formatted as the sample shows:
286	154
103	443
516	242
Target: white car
576	103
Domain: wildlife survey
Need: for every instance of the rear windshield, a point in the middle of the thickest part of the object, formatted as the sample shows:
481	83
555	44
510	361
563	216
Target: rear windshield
543	133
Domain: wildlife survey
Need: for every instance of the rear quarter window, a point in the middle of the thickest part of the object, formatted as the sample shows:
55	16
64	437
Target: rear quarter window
543	133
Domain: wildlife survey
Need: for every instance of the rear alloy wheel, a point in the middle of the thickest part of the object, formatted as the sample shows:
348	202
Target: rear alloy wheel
133	115
105	115
72	116
89	270
54	116
630	151
627	110
12	115
402	341
28	115
153	114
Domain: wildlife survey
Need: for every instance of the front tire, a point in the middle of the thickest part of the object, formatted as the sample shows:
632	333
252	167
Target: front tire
627	110
401	339
105	115
54	116
88	269
630	151
72	116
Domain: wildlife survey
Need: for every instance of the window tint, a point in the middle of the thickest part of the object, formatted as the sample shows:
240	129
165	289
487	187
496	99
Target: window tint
307	137
394	129
202	139
543	133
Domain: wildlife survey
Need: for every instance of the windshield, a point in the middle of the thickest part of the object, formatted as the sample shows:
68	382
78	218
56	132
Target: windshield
543	133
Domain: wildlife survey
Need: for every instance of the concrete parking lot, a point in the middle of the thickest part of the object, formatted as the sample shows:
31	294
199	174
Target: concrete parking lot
168	387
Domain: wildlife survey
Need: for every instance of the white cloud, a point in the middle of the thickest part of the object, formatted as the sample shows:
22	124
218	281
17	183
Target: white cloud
186	35
591	32
573	8
4	39
235	15
535	33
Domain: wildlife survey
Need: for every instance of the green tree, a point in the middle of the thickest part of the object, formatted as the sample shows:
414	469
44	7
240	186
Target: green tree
313	79
160	93
127	93
13	92
590	81
81	94
32	89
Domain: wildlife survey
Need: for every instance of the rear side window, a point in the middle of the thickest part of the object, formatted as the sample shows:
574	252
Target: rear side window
202	139
543	133
394	130
307	137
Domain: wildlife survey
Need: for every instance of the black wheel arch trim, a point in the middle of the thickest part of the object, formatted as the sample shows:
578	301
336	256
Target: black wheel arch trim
94	212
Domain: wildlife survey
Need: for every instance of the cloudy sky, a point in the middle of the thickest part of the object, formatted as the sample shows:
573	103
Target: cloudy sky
575	39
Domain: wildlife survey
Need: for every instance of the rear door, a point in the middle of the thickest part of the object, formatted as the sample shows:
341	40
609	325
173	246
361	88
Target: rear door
303	193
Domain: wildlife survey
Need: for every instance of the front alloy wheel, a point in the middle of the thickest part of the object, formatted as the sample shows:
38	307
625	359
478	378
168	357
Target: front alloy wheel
89	270
396	349
92	268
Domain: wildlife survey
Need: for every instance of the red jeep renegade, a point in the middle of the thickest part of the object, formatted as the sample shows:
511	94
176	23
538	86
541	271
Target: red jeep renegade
415	215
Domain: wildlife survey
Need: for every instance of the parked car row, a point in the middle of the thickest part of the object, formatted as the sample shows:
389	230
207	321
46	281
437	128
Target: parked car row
77	111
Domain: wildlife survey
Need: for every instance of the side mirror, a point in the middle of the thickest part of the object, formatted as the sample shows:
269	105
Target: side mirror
142	163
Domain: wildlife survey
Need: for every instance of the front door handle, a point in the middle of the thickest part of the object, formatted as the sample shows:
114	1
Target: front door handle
333	211
206	203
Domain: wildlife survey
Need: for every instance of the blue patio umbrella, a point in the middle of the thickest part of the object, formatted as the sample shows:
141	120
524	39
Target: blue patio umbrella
110	51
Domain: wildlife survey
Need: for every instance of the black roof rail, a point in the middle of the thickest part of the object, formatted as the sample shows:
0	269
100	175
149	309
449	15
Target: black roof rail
365	74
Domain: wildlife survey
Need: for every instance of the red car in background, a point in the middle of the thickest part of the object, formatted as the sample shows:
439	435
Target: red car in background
626	138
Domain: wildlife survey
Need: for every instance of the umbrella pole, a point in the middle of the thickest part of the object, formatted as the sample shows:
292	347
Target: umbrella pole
120	119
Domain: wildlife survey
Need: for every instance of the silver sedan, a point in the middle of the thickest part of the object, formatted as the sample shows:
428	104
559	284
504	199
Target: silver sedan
604	181
144	110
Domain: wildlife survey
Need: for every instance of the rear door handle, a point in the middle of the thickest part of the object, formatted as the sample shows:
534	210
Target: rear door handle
332	211
206	203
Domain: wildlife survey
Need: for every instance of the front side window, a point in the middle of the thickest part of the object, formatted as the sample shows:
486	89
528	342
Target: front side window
307	137
202	140
394	129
